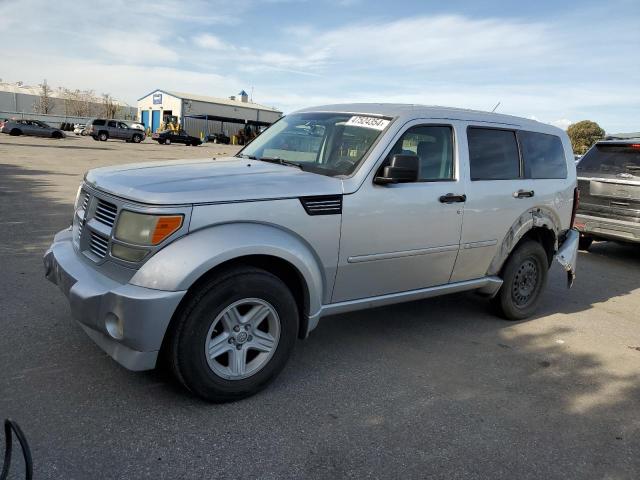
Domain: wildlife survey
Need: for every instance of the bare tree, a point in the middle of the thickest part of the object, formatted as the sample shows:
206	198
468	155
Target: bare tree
44	104
110	107
79	103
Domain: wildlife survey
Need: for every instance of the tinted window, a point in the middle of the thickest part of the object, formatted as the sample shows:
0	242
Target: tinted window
112	124
493	154
98	122
611	159
433	145
543	155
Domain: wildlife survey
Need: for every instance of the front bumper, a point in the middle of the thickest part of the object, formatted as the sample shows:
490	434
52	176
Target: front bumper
607	228
93	297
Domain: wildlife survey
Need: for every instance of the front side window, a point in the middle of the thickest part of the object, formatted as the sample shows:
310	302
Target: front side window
543	155
433	145
493	154
332	144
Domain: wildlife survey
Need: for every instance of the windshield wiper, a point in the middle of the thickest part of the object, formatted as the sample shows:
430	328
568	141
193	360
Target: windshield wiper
280	161
244	155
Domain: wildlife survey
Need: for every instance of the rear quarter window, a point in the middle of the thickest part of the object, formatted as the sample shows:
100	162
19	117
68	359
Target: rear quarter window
493	154
543	155
99	122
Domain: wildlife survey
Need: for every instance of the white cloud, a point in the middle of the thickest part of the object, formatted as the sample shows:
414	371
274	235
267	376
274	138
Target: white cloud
210	42
563	123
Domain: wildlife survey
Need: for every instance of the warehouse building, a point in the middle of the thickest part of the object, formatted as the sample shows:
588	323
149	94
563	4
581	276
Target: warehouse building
18	100
203	115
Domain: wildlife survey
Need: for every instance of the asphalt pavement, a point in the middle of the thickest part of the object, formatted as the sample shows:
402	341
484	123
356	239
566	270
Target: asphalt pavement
439	388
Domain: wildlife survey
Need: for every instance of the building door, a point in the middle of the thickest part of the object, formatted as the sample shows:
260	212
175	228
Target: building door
145	119
155	120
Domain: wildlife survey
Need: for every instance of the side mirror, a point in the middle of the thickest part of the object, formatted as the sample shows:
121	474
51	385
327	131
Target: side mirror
401	169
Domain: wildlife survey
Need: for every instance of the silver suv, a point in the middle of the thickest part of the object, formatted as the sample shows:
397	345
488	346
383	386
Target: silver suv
220	264
103	130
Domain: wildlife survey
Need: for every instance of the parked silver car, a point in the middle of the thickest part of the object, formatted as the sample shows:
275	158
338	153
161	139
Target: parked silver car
34	128
220	264
102	129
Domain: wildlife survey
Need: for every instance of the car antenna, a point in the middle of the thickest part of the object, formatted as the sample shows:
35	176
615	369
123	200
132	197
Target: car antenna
496	107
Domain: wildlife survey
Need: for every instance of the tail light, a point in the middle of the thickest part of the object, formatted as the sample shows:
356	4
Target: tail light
576	202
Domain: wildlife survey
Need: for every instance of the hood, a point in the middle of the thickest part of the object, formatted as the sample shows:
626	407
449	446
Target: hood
208	181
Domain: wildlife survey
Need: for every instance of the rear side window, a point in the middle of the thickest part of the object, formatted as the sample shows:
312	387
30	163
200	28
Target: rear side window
611	159
543	155
99	122
493	154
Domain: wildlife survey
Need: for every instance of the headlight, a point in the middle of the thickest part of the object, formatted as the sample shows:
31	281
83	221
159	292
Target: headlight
129	254
145	229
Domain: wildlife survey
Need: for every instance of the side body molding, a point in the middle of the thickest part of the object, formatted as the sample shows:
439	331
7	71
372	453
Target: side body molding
181	263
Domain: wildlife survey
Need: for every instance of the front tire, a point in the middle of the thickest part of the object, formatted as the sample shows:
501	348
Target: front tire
137	138
234	335
524	277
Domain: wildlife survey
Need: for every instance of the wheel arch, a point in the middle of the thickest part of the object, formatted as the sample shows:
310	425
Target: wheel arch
195	258
539	224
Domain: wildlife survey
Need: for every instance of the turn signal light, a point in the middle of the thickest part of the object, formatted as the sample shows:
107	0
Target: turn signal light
165	227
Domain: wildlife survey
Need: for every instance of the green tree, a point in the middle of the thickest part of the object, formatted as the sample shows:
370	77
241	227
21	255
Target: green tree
583	135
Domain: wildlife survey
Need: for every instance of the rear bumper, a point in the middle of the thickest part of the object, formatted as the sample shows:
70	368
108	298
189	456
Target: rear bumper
567	255
97	300
607	228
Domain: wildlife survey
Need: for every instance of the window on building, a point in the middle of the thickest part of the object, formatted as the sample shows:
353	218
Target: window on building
493	154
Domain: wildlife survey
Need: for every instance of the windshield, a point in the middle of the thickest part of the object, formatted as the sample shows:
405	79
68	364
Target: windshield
612	159
332	144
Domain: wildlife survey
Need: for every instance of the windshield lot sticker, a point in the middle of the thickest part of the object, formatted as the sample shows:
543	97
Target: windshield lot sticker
368	122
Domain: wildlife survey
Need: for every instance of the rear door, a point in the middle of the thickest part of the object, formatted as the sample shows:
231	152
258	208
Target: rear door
609	181
114	131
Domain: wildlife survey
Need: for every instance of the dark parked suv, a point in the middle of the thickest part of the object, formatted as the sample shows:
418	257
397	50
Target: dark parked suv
609	182
103	130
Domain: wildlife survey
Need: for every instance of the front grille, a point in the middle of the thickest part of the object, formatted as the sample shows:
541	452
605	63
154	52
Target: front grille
322	205
106	213
98	244
85	200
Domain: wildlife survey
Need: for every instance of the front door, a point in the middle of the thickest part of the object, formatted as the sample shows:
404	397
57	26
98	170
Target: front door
405	236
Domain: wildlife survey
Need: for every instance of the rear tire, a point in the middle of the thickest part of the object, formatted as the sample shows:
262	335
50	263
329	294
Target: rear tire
103	136
584	242
167	141
15	132
205	324
524	277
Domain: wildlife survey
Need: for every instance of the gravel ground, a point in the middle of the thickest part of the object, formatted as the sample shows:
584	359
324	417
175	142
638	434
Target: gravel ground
439	388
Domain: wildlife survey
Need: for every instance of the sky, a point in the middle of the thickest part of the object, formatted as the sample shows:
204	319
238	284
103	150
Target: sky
557	62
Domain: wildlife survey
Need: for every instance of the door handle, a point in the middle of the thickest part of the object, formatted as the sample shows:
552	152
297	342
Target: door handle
453	198
523	194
